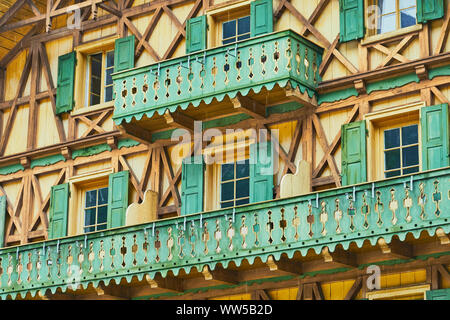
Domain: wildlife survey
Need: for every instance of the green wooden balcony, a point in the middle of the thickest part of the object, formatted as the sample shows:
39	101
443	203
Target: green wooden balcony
282	58
339	216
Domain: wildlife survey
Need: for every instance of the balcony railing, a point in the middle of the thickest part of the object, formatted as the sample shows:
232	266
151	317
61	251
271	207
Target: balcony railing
338	216
276	58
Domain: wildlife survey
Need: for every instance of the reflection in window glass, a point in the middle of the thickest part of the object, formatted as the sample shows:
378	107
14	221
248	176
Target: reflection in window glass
95	209
401	151
236	30
396	14
235	184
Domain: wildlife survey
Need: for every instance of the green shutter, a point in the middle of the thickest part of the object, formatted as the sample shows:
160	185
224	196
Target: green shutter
351	20
353	141
59	210
434	129
442	294
2	220
428	10
124	54
261	17
192	174
66	82
261	172
117	199
196	29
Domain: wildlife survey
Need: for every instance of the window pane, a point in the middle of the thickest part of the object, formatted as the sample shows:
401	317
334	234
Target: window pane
89	217
95	99
227	191
227	204
244	25
110	59
245	36
242	188
101	227
392	138
242	169
388	23
89	229
387	6
242	201
411	170
91	198
408	17
109	79
102	214
392	159
227	171
407	3
108	93
95	85
102	196
392	174
229	29
410	135
410	156
96	65
231	40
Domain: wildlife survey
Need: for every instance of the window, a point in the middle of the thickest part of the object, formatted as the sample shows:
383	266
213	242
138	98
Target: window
95	209
401	150
234	183
100	84
395	14
236	30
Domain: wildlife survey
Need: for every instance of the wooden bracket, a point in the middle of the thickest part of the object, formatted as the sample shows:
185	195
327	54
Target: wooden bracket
112	142
66	153
25	162
100	290
302	98
360	86
342	257
135	132
249	106
284	264
228	276
167	283
42	296
179	120
443	237
396	248
421	72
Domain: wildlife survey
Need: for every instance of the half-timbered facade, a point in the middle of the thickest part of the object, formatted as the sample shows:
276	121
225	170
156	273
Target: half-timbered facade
209	149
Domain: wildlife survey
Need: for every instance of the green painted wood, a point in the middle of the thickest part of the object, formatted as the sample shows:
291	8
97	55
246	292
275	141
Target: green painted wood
255	231
66	82
196	30
434	129
11	169
428	10
124	53
441	294
117	198
280	58
192	185
354	155
2	220
261	171
261	17
351	20
59	210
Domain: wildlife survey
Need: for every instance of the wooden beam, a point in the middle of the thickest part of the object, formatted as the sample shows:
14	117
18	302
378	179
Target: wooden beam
249	106
11	11
135	132
396	248
353	292
168	283
302	98
223	275
339	256
179	120
442	236
284	264
260	294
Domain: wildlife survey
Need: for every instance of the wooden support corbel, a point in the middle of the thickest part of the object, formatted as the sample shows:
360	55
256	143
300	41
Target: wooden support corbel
342	257
25	162
396	248
443	237
227	276
302	98
112	142
42	296
167	283
179	120
66	153
100	290
135	132
284	264
360	86
249	106
422	72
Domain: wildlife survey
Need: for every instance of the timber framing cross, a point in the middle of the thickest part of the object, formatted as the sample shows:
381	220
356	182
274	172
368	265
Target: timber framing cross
309	130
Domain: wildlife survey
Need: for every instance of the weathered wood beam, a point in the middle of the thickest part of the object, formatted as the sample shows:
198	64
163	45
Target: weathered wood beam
339	256
442	236
396	248
249	106
135	132
303	98
223	275
260	294
179	120
284	264
11	11
353	292
110	9
168	283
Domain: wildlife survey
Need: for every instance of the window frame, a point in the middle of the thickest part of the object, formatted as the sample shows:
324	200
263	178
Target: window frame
97	206
103	85
234	180
237	35
397	16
